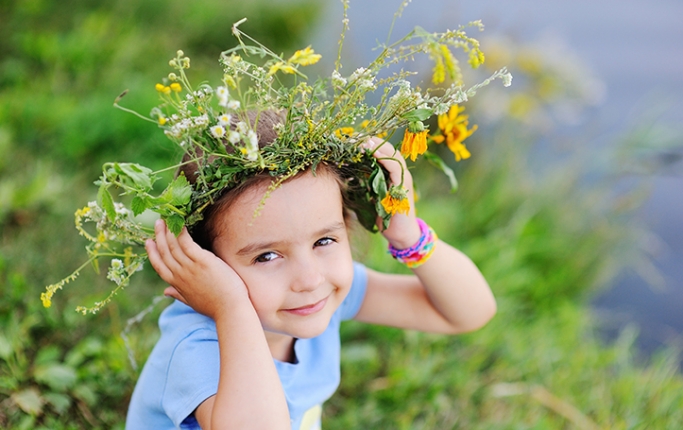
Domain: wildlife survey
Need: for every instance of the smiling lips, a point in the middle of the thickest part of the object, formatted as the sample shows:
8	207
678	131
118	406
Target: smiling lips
308	309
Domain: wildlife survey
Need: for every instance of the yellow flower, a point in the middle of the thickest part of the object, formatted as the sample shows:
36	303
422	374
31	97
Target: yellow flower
344	132
414	143
367	123
163	88
396	201
449	60
305	57
46	299
454	131
286	68
162	120
176	87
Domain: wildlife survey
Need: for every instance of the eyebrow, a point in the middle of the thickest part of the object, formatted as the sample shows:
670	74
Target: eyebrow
257	246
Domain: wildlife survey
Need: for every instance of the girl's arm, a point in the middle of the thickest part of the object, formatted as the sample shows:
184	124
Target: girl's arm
448	293
249	391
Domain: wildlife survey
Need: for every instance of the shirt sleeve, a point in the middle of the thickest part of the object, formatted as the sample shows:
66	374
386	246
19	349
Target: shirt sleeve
192	377
352	303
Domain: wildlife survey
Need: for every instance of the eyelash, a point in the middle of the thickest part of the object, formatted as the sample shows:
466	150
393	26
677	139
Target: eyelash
325	241
328	241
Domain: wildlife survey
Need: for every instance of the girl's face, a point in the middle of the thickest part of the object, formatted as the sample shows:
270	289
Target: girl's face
294	256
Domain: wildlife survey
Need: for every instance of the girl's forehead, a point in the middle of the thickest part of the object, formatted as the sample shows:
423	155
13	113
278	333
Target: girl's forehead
301	205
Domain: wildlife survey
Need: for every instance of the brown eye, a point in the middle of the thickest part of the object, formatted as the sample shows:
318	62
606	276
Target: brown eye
265	257
324	241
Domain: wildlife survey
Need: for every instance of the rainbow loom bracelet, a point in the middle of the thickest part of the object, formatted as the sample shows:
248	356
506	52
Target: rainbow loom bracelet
421	251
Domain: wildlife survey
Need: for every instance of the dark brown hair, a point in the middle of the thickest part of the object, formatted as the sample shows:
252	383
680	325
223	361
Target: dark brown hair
206	230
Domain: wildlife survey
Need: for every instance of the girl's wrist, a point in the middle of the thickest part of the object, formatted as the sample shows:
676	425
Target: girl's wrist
409	237
420	251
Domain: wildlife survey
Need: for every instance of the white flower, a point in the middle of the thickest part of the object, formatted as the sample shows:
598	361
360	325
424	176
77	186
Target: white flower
459	97
252	145
222	94
224	119
120	209
201	121
234	137
116	264
338	80
242	127
507	79
233	104
366	83
440	109
218	131
358	73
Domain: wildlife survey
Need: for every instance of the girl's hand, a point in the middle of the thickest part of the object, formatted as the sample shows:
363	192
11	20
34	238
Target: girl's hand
403	231
196	276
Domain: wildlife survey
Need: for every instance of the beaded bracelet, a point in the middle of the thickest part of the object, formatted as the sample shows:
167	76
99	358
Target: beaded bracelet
421	251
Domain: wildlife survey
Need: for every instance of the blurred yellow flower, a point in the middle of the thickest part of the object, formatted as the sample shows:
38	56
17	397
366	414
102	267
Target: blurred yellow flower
453	126
176	87
305	57
46	299
285	68
396	201
344	132
414	143
368	123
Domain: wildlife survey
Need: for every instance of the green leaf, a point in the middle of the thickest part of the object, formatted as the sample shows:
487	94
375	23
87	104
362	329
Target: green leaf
85	393
60	402
47	354
175	223
181	191
5	348
105	200
417	115
29	400
379	183
439	163
140	175
139	205
57	376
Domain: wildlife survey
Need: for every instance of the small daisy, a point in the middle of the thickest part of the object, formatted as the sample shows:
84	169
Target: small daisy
234	137
224	119
218	131
222	94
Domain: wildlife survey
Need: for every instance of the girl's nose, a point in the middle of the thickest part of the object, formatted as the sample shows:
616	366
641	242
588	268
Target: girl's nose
307	277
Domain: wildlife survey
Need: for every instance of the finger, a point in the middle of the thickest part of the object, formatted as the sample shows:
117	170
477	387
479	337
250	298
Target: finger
169	248
157	262
189	247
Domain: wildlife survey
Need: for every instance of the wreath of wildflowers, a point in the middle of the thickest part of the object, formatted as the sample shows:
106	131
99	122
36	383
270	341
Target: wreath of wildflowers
325	121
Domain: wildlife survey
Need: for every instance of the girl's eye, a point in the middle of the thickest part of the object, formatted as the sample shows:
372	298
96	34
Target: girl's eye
324	241
265	257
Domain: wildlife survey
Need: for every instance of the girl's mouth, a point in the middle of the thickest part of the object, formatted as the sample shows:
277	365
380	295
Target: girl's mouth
308	309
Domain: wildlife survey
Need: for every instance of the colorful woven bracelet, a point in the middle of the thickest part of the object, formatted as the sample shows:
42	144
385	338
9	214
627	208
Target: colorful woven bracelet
421	251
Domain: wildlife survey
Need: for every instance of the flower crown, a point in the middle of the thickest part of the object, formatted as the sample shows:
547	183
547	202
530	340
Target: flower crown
326	121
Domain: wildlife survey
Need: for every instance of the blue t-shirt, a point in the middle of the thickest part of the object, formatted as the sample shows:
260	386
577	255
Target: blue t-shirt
182	370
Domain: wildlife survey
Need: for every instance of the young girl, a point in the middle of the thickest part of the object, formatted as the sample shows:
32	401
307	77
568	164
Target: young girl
252	340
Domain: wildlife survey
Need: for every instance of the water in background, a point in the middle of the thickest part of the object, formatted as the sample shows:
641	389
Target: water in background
636	48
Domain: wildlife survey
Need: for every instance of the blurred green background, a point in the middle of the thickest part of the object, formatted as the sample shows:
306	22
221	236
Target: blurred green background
545	243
